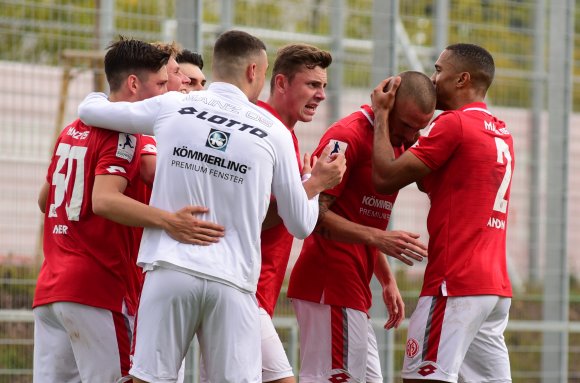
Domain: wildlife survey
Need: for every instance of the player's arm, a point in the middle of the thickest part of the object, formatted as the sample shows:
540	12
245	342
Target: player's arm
391	294
390	174
128	117
324	176
43	196
147	168
110	202
404	246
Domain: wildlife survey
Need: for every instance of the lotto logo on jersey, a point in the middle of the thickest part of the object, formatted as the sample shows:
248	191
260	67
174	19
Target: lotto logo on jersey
337	146
126	146
217	140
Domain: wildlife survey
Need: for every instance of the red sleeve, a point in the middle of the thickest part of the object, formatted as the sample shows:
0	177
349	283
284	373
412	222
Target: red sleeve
119	155
340	139
148	145
444	137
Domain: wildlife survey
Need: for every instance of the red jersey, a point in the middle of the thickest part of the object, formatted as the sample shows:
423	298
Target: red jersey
276	245
86	257
471	155
338	273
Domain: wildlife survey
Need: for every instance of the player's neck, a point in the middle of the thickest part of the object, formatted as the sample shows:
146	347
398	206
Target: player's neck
278	106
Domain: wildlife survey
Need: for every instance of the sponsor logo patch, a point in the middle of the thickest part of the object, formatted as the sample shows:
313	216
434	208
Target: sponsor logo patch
217	139
126	146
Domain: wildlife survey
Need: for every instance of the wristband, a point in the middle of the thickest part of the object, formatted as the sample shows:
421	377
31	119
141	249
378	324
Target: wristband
306	177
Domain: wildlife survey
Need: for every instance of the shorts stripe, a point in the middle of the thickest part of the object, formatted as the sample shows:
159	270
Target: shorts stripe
122	331
433	328
339	336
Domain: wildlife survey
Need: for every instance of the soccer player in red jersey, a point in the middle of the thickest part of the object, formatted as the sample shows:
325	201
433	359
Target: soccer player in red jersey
330	283
296	90
85	287
465	164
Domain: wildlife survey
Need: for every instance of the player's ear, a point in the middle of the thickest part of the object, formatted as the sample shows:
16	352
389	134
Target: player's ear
132	83
463	79
251	72
281	82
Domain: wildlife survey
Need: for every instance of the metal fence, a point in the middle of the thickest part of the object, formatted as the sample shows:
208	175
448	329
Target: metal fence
51	54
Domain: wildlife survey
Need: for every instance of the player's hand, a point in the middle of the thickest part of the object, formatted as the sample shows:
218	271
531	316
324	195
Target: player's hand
329	169
383	96
403	245
185	227
395	305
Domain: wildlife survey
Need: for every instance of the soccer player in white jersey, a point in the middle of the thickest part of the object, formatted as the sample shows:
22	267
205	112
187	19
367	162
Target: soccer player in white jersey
465	164
219	149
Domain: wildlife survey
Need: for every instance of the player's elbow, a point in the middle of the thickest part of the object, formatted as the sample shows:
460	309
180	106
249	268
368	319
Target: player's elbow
101	206
42	205
382	184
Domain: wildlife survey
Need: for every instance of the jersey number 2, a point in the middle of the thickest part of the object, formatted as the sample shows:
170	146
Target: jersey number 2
70	155
503	152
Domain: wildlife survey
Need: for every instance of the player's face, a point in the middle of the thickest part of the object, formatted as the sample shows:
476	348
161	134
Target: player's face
406	122
152	85
304	93
195	75
177	80
444	78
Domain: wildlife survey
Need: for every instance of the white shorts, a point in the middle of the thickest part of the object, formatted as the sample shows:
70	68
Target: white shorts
453	338
75	342
174	307
275	364
337	344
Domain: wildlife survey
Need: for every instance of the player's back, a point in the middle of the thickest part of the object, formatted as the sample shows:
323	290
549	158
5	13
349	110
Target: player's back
216	149
86	255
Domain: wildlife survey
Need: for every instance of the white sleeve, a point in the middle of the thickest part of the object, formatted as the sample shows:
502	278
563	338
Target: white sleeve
127	117
298	213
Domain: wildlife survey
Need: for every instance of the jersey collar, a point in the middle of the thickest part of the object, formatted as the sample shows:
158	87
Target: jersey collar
272	111
475	106
367	111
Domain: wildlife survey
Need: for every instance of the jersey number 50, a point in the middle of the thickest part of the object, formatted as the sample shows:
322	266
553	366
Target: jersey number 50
70	155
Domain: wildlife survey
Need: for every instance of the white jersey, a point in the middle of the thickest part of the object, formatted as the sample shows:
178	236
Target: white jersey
215	149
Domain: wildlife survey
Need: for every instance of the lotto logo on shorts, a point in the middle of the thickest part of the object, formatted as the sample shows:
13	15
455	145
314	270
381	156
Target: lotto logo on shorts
217	140
339	376
427	370
412	348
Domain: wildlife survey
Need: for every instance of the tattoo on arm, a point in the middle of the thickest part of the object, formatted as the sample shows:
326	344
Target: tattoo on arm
324	202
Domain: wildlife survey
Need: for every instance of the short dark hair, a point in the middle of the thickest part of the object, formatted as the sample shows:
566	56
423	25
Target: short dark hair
475	60
292	58
187	56
232	49
418	87
129	56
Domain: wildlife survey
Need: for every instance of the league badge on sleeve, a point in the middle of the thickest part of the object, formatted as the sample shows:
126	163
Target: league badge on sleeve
126	146
337	146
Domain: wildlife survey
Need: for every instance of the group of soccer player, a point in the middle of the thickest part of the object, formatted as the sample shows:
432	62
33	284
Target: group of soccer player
115	302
